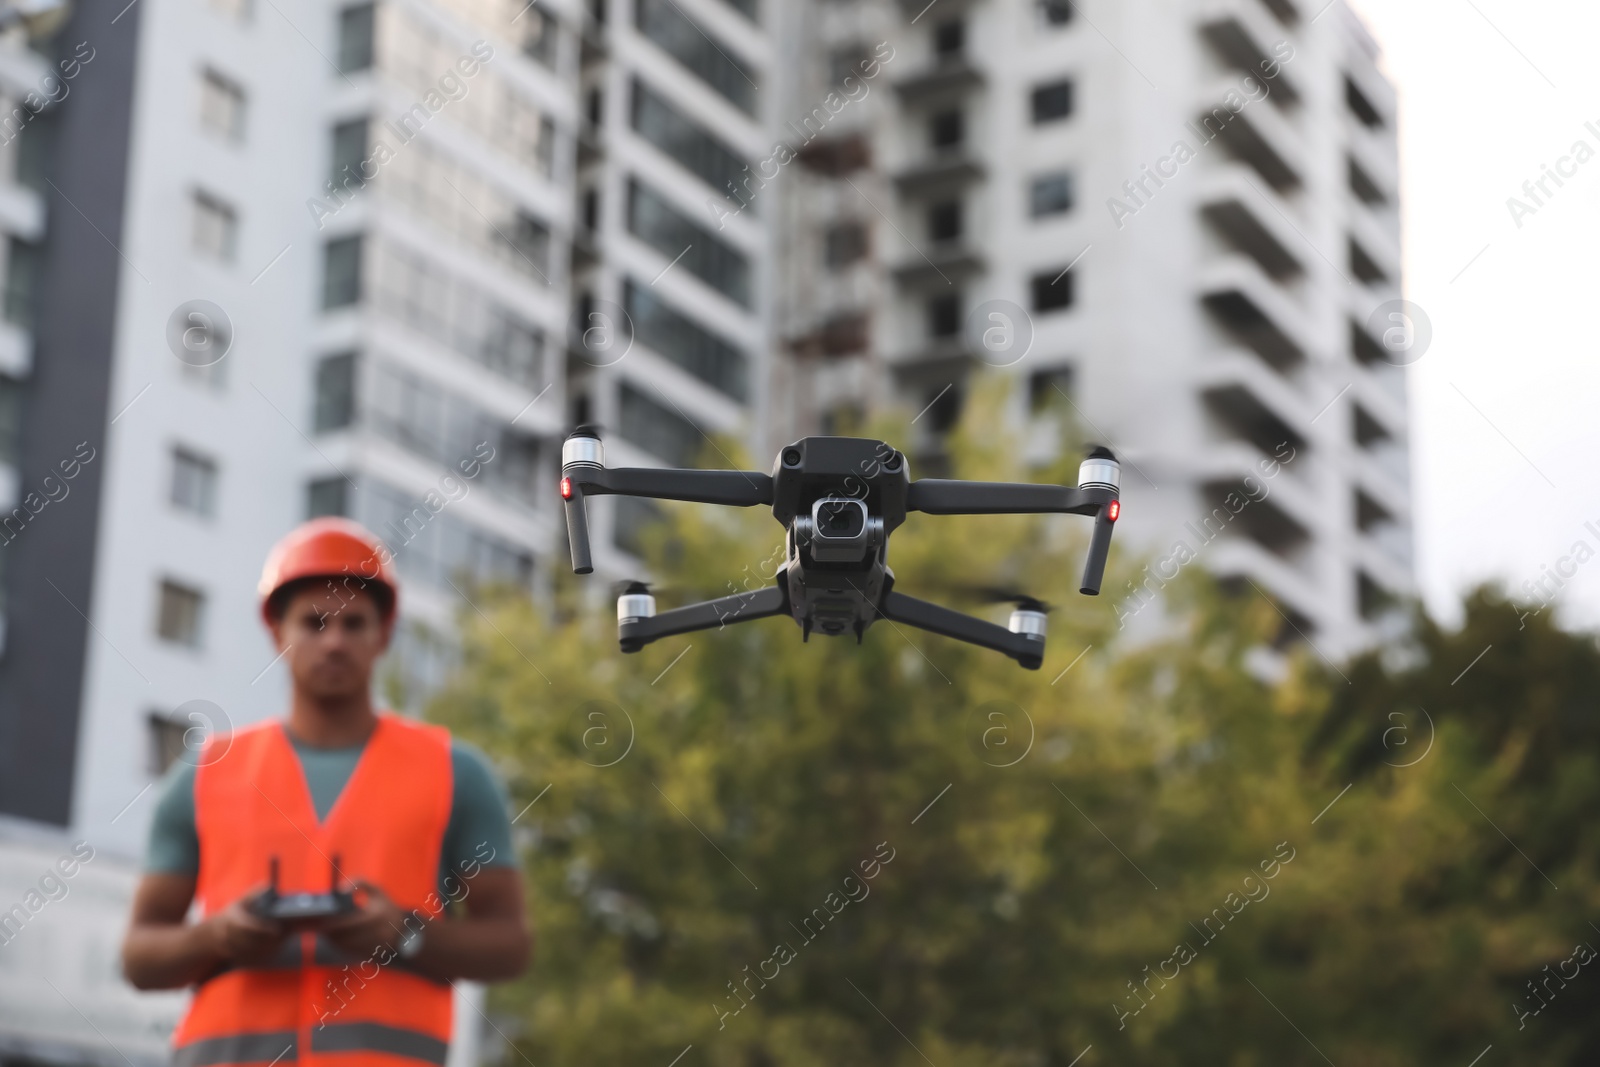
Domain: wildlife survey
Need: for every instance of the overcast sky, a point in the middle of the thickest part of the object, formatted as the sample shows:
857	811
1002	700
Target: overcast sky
1506	403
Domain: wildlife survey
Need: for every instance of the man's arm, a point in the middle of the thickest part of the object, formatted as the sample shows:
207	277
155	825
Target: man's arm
490	943
162	951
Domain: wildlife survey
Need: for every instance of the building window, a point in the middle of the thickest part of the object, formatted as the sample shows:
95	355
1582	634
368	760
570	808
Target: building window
658	428
221	106
22	281
672	233
944	221
847	62
658	326
844	244
1052	103
335	406
539	35
215	228
341	272
700	152
355	38
438	548
327	496
426	298
179	614
1050	194
166	742
748	8
1053	12
194	483
1048	387
525	241
10	419
1052	291
349	152
944	316
1360	106
949	38
431	422
947	129
664	23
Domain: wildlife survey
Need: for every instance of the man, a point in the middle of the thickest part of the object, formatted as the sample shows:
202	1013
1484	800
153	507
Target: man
338	796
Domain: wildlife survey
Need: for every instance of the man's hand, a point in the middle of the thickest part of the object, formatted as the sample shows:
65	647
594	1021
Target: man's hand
373	929
238	935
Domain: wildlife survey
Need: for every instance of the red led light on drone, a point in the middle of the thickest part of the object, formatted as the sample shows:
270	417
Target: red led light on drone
566	489
1114	510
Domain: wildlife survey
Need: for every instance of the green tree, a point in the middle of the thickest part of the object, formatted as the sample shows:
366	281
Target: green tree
705	815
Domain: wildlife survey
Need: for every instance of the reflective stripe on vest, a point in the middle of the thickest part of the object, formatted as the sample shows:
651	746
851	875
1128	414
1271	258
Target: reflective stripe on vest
375	1037
269	1047
387	827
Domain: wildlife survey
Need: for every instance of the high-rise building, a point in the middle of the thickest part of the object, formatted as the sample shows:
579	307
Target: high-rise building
274	260
1178	225
267	260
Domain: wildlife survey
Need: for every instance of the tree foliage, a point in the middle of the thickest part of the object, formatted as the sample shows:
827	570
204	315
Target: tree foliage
1042	845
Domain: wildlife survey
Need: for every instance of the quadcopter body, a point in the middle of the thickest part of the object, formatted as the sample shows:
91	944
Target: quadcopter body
838	499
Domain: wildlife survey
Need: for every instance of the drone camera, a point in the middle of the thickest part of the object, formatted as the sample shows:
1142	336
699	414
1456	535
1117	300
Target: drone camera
840	530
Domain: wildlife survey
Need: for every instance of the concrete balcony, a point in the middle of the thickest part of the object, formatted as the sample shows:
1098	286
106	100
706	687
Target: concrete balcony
1374	195
1374	99
1388	499
940	266
1240	502
1386	555
1380	242
16	350
1255	404
941	173
1259	135
1243	32
1288	12
1244	562
913	9
1253	218
1256	312
935	358
944	79
1379	383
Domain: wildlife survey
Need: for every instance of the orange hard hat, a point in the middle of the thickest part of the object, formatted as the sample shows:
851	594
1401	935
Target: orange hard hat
330	548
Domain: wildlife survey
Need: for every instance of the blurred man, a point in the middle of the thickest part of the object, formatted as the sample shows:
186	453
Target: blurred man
336	796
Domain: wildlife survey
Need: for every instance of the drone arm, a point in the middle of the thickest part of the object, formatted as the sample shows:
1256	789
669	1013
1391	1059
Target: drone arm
635	633
897	607
939	496
740	489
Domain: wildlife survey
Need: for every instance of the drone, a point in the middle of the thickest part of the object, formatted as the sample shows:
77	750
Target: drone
838	500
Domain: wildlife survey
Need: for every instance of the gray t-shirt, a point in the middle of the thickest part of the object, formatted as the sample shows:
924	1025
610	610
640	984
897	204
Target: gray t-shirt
478	810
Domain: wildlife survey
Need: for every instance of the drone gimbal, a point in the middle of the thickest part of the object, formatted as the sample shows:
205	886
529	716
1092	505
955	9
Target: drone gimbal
838	500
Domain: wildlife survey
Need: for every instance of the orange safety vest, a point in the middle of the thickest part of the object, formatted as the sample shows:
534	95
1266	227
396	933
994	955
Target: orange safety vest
313	1006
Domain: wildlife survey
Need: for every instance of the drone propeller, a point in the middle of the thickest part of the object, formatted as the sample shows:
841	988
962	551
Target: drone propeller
1023	601
1001	594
